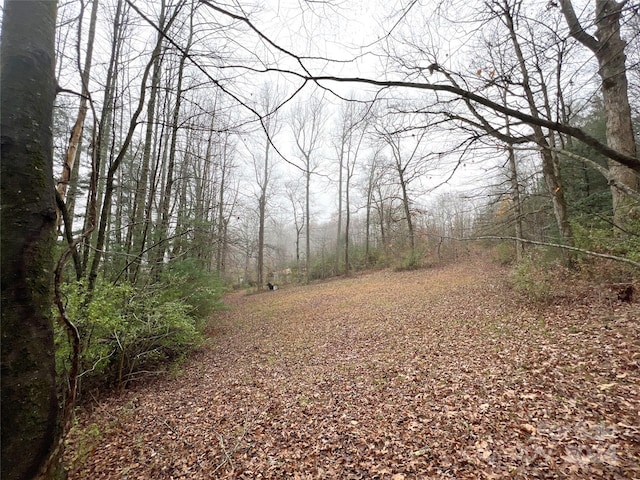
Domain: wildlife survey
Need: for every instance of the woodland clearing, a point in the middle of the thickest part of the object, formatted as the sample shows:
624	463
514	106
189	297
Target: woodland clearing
444	372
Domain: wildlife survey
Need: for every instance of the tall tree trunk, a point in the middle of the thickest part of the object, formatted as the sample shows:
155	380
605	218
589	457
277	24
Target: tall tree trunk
168	188
352	157
549	162
205	199
103	136
370	193
222	227
381	216
307	125
407	209
517	201
262	201
307	219
514	179
347	225
339	234
184	215
142	219
262	208
608	48
76	132
270	126
30	413
113	168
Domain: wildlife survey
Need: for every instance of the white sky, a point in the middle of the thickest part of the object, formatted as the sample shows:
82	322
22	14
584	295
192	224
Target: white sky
342	30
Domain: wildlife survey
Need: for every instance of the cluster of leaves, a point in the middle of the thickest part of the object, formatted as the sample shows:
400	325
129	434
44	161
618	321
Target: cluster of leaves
598	238
126	331
536	279
439	373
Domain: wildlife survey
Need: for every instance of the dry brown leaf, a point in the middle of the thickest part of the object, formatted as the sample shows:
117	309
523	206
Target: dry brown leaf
436	373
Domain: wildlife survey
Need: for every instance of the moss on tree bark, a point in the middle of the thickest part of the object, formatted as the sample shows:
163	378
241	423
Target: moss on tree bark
29	405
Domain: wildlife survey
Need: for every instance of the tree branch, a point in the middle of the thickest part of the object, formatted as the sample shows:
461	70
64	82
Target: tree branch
575	29
554	245
626	160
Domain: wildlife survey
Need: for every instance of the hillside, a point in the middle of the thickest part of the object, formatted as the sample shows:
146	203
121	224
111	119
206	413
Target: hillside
393	375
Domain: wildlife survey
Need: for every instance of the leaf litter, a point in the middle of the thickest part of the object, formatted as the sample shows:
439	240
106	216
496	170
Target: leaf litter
437	373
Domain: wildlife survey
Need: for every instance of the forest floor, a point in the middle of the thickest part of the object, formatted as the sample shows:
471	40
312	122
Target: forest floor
434	373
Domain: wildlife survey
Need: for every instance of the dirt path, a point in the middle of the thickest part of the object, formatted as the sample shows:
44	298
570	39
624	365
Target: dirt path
428	374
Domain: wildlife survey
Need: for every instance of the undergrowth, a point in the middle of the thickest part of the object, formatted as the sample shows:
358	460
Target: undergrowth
127	332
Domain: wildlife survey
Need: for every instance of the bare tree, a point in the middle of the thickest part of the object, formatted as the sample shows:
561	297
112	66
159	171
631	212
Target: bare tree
354	122
143	199
307	125
407	153
73	148
117	161
295	198
372	176
165	201
227	197
550	167
263	166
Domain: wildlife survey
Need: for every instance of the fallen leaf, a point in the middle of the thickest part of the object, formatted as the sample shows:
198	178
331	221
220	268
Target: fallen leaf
527	427
606	386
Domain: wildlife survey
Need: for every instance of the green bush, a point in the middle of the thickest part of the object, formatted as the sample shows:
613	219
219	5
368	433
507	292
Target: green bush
125	330
199	289
100	322
411	260
600	238
532	278
505	253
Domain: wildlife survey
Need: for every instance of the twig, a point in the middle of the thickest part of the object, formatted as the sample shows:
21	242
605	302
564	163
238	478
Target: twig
543	244
227	454
175	432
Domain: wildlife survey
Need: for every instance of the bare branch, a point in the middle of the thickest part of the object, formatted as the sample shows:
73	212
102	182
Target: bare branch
554	245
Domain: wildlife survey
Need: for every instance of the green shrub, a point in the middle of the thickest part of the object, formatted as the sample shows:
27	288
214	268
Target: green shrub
505	253
100	322
532	278
125	330
199	289
600	238
411	260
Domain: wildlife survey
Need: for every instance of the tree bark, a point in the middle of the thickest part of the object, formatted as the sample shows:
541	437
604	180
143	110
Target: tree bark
370	194
168	189
262	209
76	132
608	48
549	161
307	221
30	414
102	137
142	204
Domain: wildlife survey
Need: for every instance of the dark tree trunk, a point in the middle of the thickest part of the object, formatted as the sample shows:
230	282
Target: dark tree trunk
339	235
170	179
262	211
30	411
142	202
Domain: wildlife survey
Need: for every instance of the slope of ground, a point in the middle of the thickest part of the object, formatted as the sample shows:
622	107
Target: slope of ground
435	373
